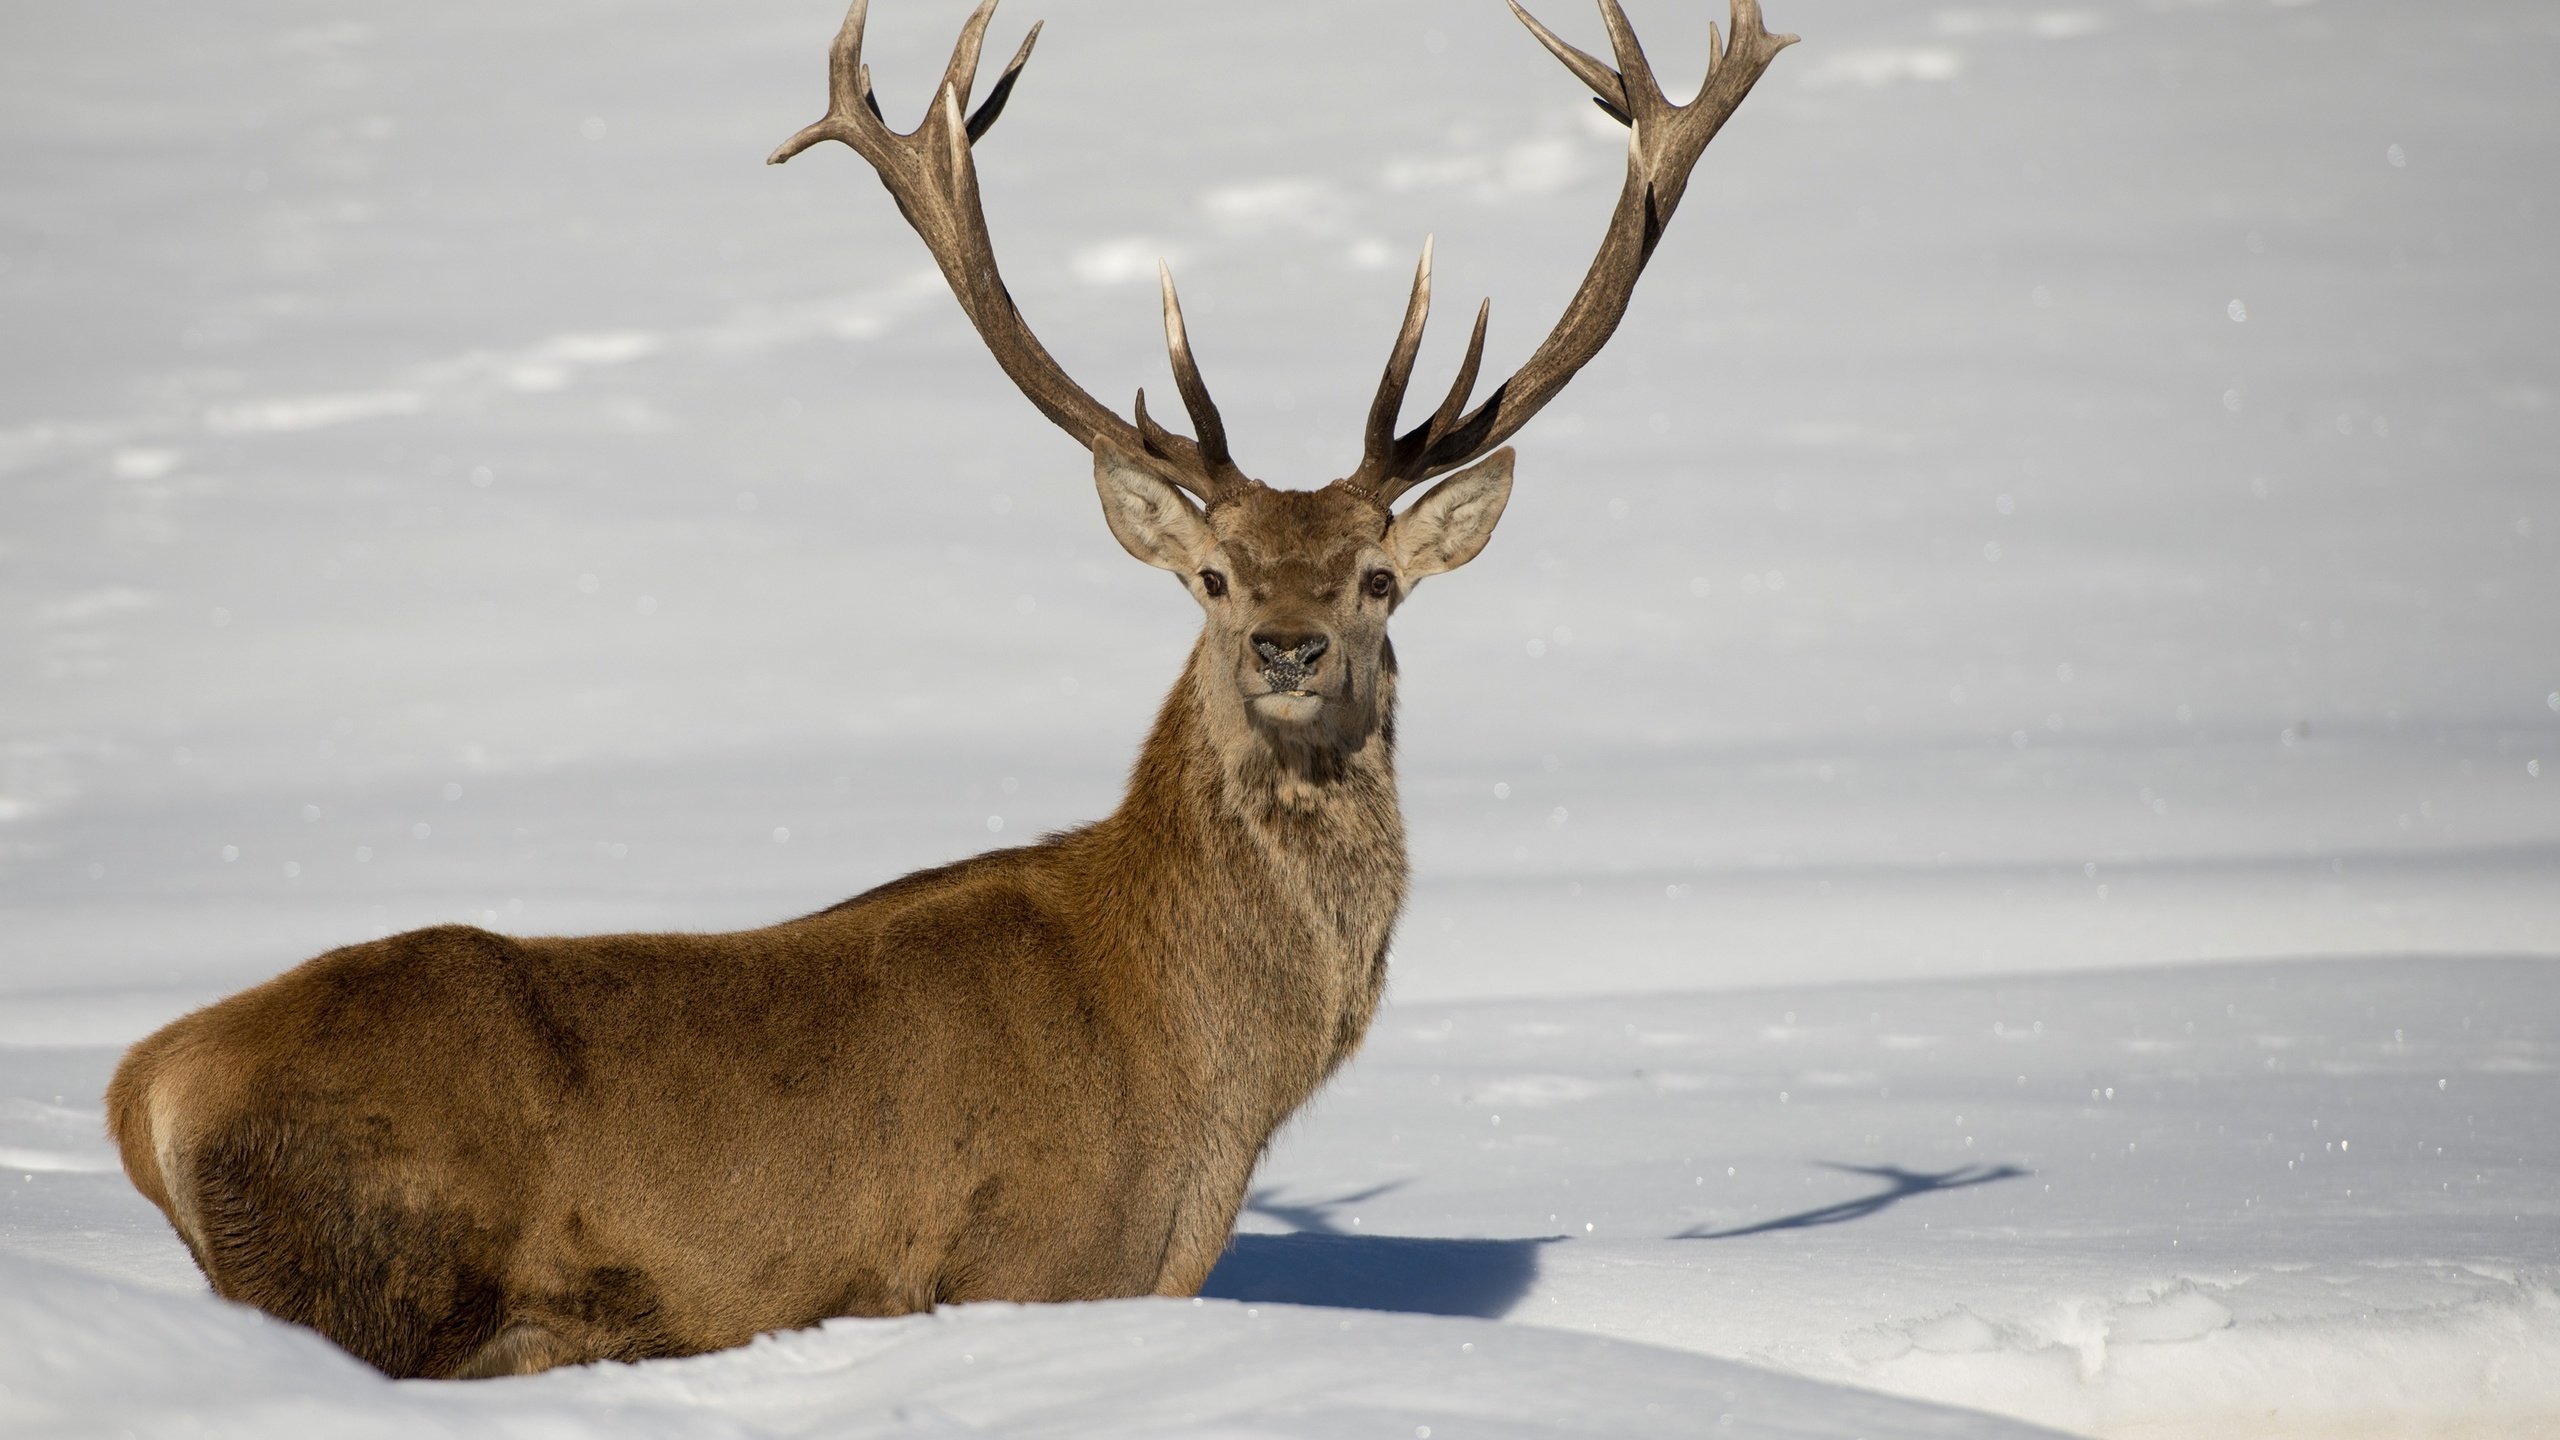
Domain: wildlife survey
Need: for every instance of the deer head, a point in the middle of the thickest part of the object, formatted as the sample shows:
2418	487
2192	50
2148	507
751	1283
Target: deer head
1297	586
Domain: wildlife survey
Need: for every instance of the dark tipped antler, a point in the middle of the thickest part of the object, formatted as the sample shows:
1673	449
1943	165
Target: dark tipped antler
1664	142
930	172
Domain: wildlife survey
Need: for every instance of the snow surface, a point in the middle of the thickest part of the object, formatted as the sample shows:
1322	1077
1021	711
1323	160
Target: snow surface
2015	708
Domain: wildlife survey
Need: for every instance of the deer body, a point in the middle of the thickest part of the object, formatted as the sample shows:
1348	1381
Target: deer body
1039	1074
1044	1073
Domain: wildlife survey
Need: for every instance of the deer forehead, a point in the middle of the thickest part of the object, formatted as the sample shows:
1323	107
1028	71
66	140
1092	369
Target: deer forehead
1310	536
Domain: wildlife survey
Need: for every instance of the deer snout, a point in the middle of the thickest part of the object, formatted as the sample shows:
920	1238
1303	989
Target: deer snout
1289	658
1300	647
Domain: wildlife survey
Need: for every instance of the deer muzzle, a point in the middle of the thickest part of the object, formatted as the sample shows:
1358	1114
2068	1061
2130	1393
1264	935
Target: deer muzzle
1290	670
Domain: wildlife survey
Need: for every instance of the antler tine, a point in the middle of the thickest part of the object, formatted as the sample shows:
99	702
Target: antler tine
956	155
1603	81
844	58
1378	446
984	119
1402	473
1463	388
1153	439
960	76
932	173
849	101
1186	379
1664	142
1635	73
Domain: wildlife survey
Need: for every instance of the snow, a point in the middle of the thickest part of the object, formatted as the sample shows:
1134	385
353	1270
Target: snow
1989	825
1134	1368
2267	1198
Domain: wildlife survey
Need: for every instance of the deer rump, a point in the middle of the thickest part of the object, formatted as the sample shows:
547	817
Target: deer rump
458	1153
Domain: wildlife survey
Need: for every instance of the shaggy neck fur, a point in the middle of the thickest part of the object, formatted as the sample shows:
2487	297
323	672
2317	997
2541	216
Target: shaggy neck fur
1268	865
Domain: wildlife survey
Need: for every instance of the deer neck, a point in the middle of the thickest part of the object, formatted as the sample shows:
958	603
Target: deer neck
1314	806
1299	788
1271	863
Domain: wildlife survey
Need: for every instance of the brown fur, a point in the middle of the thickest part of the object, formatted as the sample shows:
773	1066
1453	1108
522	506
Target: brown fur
1040	1074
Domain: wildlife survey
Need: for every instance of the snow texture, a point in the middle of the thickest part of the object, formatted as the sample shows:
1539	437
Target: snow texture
1987	830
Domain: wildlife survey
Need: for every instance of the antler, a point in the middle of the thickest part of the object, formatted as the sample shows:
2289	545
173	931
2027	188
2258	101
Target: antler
1664	142
930	172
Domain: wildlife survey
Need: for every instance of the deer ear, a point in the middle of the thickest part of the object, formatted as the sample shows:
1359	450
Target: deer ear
1450	523
1150	518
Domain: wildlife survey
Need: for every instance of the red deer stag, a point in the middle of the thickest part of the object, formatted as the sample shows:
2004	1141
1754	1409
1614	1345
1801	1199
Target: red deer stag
1044	1073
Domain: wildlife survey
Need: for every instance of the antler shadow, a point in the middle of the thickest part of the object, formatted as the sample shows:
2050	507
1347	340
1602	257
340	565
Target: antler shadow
1900	1185
1313	1217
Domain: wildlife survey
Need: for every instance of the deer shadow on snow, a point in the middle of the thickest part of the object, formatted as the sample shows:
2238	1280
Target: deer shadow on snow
1323	1264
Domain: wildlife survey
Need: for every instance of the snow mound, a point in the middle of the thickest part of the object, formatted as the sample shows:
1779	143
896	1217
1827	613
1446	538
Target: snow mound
85	1357
2183	1363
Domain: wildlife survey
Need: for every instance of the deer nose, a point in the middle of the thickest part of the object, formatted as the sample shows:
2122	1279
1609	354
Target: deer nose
1297	647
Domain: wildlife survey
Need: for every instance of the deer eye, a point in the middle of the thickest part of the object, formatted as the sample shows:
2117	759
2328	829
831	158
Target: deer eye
1214	583
1380	584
